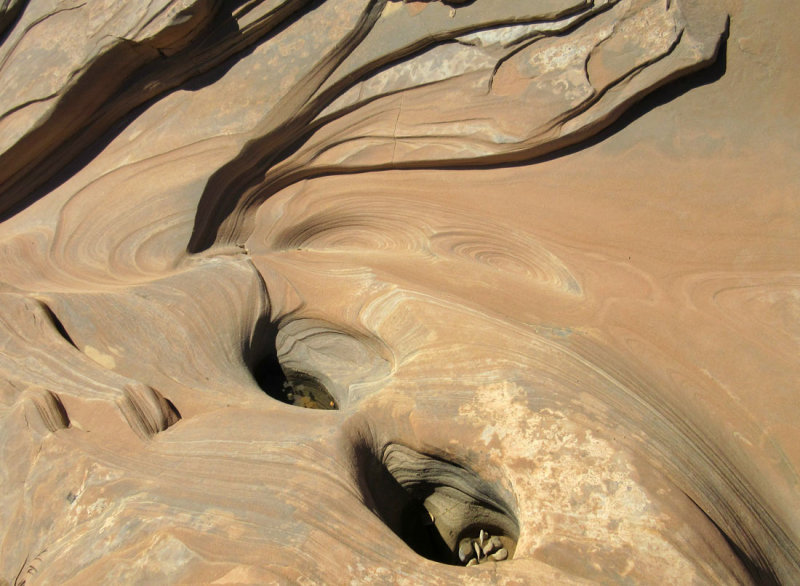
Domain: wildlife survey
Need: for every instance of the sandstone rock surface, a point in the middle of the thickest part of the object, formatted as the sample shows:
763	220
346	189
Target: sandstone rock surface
370	291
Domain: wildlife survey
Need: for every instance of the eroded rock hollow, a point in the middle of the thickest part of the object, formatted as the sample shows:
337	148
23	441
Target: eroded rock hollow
399	292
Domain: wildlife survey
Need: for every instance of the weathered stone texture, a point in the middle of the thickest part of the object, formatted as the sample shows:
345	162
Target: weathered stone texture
532	264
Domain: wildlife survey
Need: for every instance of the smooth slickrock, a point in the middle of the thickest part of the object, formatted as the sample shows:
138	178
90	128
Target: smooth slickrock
370	291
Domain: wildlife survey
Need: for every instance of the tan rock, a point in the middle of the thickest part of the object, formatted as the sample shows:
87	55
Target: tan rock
215	214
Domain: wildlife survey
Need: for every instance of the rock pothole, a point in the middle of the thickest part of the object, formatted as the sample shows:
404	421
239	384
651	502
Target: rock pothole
284	384
308	362
441	510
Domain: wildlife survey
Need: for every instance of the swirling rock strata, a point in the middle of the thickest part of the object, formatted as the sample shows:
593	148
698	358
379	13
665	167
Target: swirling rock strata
548	365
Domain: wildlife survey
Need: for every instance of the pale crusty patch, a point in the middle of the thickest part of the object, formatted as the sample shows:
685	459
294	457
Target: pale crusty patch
105	360
570	485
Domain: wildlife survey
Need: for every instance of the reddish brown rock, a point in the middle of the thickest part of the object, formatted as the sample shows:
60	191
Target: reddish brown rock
367	292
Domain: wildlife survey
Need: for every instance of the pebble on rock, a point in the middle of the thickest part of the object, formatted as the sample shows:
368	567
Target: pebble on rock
500	554
464	550
476	550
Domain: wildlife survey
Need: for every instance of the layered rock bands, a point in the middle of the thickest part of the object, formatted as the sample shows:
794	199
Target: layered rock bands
402	292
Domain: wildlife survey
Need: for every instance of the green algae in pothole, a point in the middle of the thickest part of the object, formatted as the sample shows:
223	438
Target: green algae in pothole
307	393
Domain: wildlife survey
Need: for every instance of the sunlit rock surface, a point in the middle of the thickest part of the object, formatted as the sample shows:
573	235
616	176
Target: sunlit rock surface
381	292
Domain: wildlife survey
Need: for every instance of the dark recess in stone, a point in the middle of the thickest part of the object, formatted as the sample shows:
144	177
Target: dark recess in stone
761	573
288	386
439	509
56	323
